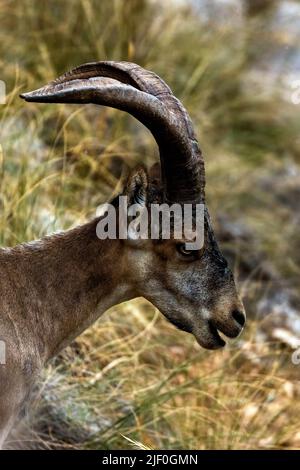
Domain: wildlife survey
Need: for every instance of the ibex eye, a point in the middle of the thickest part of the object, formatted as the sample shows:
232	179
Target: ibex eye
181	248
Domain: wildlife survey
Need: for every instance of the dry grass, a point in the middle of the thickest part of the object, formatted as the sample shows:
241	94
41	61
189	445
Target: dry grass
132	379
133	376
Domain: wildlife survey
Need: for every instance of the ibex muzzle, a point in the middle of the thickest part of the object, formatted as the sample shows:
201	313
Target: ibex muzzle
53	289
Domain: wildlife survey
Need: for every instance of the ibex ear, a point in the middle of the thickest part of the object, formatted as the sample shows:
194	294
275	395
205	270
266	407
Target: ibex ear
136	191
136	188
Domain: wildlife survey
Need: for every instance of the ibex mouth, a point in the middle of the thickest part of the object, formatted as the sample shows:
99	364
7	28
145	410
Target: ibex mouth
208	337
208	334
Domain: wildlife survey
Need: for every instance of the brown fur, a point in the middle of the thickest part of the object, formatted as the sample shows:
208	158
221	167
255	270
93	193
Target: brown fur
53	289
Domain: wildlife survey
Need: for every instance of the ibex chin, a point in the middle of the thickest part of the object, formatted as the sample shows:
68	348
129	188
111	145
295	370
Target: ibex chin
53	289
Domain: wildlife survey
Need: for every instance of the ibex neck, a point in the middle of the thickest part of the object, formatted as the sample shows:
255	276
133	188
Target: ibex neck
61	284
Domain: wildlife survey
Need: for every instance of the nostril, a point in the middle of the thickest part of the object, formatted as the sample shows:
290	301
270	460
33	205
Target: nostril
239	317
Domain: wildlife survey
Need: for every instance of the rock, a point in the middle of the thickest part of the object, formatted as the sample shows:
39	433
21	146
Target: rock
279	312
278	309
239	241
284	184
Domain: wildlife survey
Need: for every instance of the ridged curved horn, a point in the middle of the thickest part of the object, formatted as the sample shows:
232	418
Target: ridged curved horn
129	87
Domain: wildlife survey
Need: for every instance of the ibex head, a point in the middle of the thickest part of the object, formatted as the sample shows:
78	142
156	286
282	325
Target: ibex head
194	289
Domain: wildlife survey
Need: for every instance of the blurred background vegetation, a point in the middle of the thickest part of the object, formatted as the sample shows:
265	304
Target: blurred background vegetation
133	379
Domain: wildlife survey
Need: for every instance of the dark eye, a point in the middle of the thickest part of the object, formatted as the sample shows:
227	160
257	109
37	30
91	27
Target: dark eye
181	248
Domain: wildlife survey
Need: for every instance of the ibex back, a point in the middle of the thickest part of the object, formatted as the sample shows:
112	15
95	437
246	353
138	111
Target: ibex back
53	289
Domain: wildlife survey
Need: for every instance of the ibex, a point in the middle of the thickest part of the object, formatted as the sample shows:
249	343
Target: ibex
53	289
